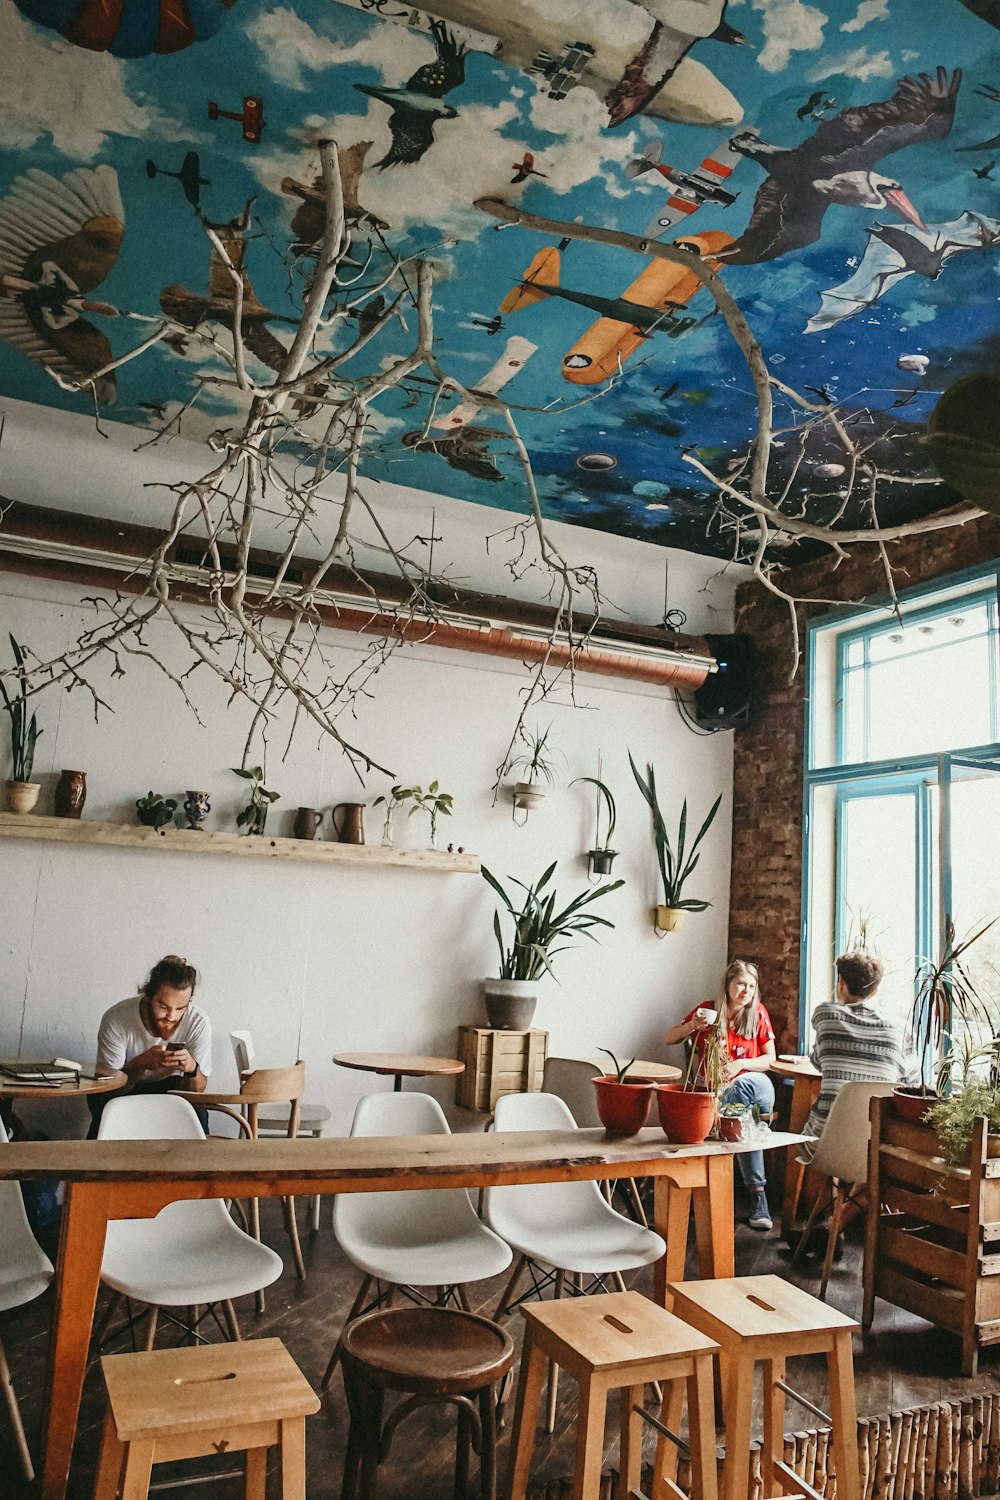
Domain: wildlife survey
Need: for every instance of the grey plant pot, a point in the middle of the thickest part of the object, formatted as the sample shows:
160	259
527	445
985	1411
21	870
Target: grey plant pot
510	1003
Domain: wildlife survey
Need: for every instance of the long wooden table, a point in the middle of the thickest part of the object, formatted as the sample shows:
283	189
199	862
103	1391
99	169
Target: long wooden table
111	1179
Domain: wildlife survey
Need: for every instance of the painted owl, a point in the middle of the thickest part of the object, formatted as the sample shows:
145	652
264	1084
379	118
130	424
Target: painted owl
58	241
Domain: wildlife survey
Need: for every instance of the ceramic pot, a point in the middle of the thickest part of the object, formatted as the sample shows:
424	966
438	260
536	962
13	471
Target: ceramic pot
307	821
912	1104
22	795
622	1107
686	1115
154	811
510	1003
528	794
197	808
601	860
71	794
730	1127
669	918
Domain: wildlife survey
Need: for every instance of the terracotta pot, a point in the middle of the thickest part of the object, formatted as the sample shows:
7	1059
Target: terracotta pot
669	918
71	794
912	1104
623	1107
730	1127
22	795
686	1115
510	1003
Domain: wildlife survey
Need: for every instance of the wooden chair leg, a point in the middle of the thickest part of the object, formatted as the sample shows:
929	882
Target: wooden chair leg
254	1207
529	1390
10	1397
503	1306
738	1410
589	1440
630	1441
100	1332
356	1307
288	1208
154	1317
314	1212
550	1405
293	1458
488	1444
232	1322
701	1429
840	1196
255	1483
138	1465
665	1461
109	1463
637	1204
811	1222
772	1447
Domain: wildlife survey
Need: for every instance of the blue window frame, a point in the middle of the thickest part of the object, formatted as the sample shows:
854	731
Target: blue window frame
903	705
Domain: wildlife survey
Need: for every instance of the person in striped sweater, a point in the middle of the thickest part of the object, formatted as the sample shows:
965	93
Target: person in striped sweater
855	1041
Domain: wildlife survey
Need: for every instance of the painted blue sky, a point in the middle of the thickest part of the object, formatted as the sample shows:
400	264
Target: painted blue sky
66	108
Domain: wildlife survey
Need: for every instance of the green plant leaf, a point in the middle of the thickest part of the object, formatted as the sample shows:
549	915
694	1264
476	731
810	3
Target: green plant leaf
247	775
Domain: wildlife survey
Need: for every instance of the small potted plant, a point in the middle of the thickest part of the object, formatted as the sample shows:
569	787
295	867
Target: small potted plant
538	760
540	932
254	815
967	1090
622	1103
688	1110
944	995
155	811
602	856
677	862
22	792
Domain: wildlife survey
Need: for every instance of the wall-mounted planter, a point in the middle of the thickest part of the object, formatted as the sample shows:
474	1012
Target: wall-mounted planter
669	918
601	860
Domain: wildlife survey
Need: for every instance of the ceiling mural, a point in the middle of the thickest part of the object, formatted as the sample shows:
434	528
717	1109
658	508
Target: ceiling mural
839	160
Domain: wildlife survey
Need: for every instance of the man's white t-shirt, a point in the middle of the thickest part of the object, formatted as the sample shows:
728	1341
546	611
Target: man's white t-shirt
123	1036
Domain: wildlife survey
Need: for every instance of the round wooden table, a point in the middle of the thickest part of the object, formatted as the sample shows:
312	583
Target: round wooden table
11	1088
400	1065
656	1072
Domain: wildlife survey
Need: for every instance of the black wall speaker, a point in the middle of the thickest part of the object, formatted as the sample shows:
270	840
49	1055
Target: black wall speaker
725	699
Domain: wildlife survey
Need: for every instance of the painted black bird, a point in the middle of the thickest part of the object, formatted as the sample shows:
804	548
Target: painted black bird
816	102
835	165
984	173
420	104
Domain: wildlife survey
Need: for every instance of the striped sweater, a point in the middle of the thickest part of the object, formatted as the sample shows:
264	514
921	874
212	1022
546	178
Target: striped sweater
854	1043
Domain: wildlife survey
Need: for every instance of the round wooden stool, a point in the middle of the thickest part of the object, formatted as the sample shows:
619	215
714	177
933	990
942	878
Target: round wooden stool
616	1341
188	1403
766	1320
434	1355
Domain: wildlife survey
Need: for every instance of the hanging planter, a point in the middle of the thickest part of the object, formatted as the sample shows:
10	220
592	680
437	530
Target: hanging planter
669	918
539	762
600	859
675	860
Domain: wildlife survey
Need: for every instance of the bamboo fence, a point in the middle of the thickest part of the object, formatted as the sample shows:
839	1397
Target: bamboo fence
947	1451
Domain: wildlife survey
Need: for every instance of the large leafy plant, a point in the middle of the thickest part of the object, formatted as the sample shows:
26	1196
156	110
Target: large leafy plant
945	996
677	862
24	732
540	931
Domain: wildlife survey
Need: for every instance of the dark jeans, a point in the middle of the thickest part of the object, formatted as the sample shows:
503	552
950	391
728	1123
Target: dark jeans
97	1103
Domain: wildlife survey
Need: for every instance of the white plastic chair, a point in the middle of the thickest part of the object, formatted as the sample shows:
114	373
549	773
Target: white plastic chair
841	1154
571	1079
272	1119
425	1238
192	1254
560	1229
25	1272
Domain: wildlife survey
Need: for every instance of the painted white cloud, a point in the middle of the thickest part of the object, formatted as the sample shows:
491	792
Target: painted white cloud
77	97
789	26
868	11
860	63
293	51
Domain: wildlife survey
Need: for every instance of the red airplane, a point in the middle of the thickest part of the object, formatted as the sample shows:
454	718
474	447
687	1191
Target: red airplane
251	118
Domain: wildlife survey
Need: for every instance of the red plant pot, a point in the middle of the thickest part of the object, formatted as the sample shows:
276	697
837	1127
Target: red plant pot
730	1127
623	1107
912	1104
686	1115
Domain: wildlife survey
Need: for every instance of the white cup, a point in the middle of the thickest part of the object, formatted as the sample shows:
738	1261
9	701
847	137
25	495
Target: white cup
706	1016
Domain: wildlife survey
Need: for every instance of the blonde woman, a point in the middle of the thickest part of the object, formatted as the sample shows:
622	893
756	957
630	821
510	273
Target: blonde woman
742	1020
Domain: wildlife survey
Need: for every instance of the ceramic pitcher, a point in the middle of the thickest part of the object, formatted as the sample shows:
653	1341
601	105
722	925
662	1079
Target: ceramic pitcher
307	820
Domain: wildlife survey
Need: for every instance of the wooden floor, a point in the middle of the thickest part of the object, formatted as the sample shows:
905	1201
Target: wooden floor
906	1363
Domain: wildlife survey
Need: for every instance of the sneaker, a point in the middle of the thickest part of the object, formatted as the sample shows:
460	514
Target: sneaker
760	1214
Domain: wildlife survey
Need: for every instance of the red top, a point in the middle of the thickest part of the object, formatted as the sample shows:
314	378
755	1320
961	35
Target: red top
742	1046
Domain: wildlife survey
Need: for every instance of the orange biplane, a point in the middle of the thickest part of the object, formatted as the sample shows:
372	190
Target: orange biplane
650	305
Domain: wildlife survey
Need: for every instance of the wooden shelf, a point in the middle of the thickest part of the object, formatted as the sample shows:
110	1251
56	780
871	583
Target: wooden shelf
205	841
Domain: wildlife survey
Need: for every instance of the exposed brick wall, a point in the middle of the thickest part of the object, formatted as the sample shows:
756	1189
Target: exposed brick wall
765	891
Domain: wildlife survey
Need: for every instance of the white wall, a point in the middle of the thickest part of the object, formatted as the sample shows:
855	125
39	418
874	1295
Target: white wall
316	960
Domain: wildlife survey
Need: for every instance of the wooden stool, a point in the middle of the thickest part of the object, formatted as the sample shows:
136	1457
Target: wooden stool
436	1355
186	1403
614	1341
766	1320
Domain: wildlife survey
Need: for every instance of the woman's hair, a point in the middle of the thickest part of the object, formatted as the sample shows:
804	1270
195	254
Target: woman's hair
744	1021
174	972
861	973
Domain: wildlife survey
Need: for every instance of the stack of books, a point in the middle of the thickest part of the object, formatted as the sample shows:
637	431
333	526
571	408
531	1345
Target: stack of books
44	1074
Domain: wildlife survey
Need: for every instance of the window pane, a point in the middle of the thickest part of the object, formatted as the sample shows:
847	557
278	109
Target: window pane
975	875
929	687
879	888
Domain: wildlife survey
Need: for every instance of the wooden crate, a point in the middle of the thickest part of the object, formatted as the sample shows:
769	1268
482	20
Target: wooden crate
498	1062
933	1241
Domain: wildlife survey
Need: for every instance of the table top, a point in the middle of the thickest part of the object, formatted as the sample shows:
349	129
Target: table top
405	1064
370	1163
659	1072
11	1089
799	1067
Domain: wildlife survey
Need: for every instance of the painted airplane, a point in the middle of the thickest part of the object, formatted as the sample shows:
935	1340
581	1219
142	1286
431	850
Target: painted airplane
690	189
650	305
251	116
514	357
189	176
